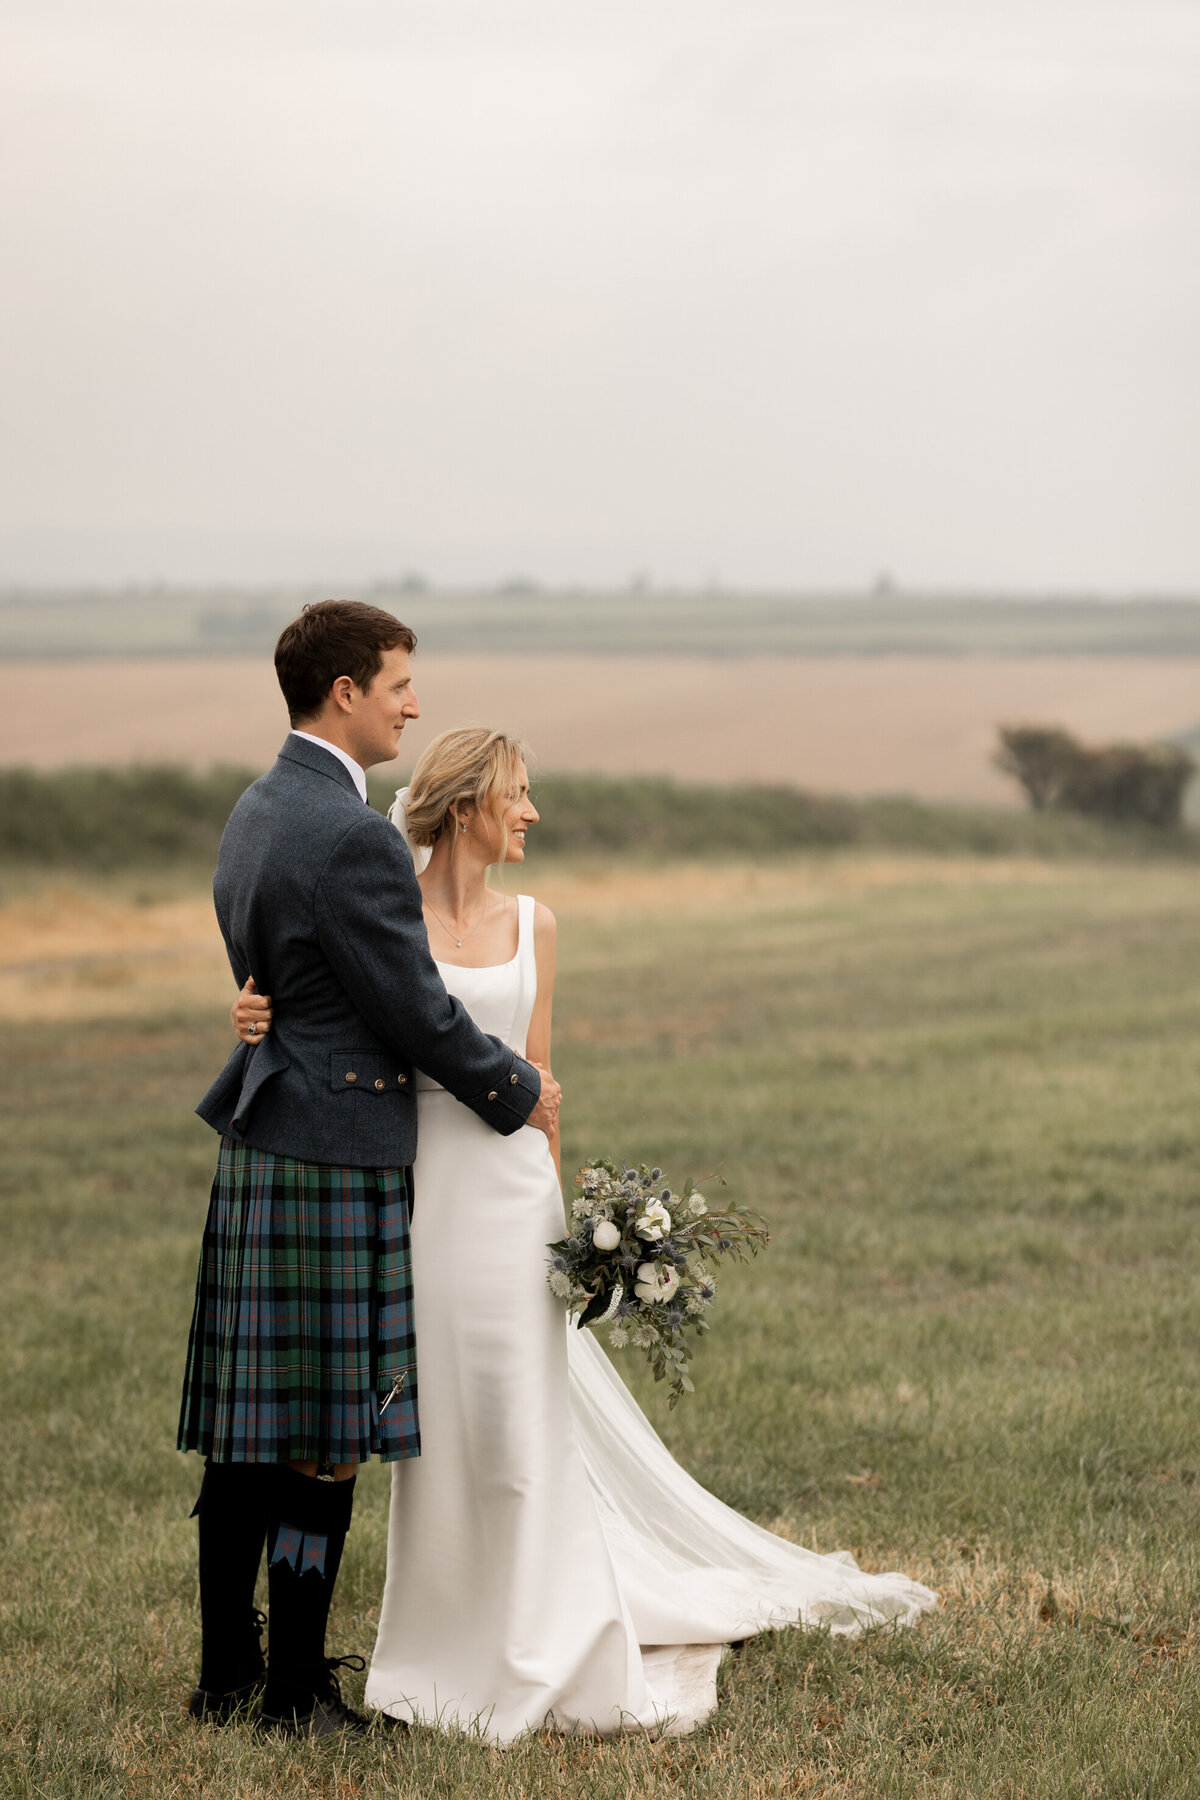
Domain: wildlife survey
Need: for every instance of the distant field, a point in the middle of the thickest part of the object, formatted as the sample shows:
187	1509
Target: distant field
922	725
528	620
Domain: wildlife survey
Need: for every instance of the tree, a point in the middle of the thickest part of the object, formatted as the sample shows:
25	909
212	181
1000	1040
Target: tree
1040	757
1126	783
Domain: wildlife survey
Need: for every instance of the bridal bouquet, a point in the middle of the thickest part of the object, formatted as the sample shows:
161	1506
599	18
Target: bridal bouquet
639	1261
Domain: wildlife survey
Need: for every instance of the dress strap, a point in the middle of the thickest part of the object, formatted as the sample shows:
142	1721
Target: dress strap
526	968
525	906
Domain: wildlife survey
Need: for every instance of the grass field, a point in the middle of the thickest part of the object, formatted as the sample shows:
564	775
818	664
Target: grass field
965	1095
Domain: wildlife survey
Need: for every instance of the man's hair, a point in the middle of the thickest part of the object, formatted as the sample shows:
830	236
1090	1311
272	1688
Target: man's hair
332	638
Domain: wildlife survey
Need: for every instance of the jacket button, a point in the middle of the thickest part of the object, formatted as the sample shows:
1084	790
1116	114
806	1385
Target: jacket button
379	1087
402	1080
350	1075
493	1095
513	1079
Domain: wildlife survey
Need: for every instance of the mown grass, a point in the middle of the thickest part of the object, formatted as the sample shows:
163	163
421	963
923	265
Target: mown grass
968	1109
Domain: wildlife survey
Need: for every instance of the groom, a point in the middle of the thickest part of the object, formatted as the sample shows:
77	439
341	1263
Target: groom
302	1358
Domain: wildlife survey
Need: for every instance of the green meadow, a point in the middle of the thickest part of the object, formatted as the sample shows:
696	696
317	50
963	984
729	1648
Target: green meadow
964	1093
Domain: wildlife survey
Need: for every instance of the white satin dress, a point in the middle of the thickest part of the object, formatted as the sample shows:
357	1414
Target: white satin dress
549	1563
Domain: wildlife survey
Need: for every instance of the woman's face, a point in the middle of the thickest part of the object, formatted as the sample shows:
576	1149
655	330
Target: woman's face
517	812
518	815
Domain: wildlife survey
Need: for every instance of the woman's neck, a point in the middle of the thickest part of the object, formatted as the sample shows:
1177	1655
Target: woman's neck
455	880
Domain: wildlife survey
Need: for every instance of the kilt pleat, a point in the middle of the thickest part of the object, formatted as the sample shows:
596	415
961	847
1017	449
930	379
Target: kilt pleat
303	1320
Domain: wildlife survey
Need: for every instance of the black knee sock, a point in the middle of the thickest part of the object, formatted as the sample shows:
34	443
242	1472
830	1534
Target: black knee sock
233	1512
304	1543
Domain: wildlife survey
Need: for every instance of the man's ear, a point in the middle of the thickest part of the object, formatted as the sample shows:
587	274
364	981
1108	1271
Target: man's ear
340	693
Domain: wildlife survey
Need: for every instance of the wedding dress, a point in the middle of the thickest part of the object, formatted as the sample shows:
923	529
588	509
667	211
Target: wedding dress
549	1563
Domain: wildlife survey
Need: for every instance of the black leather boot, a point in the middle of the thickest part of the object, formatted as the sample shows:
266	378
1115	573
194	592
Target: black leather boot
233	1511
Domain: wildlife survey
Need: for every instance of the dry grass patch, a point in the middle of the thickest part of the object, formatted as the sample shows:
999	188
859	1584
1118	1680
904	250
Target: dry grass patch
71	950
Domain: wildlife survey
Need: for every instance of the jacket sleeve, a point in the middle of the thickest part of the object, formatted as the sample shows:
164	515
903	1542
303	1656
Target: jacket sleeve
370	926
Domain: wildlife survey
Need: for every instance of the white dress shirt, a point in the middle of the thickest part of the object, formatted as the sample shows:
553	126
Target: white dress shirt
360	780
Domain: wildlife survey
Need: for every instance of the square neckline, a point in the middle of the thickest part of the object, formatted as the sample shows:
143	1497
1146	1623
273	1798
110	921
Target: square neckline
508	963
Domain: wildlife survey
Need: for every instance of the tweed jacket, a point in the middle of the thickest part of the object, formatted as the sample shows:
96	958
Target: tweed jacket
317	898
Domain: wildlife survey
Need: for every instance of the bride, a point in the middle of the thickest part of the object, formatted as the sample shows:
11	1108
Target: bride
549	1563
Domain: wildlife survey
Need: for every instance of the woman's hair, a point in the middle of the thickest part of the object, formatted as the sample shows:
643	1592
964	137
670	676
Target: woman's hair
332	638
470	764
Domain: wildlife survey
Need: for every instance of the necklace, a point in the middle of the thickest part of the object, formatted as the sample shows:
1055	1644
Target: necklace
470	928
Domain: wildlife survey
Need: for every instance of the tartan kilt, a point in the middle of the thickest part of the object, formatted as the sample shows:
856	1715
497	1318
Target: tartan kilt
303	1317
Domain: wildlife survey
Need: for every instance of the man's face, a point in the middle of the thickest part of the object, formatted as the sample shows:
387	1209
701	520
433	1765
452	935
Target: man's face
376	718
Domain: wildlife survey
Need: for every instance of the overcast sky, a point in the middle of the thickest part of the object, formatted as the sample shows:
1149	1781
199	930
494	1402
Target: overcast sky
787	292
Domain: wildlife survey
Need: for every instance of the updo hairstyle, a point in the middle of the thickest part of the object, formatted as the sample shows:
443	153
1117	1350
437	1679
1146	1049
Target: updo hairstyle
470	764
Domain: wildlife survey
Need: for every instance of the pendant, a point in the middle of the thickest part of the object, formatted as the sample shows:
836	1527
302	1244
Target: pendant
458	941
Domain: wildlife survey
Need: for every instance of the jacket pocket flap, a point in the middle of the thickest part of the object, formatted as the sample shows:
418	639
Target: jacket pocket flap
367	1072
267	1060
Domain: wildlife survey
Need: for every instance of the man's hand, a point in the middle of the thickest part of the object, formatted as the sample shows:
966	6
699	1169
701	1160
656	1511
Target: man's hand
544	1116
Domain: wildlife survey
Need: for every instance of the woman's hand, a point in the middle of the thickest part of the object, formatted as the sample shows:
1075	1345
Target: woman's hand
251	1013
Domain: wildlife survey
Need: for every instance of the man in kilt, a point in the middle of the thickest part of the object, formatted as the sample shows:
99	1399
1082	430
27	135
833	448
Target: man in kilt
302	1358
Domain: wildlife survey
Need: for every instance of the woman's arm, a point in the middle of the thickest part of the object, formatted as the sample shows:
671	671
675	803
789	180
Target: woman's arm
537	1049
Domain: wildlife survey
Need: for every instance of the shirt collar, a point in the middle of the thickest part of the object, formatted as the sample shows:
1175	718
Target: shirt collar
360	780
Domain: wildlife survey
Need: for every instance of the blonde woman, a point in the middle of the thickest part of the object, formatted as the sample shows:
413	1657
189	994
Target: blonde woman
544	1538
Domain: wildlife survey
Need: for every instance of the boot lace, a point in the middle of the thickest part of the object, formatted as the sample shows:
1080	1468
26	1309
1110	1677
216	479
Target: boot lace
334	1691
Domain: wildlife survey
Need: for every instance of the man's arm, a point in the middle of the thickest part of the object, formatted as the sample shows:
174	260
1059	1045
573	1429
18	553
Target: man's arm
370	926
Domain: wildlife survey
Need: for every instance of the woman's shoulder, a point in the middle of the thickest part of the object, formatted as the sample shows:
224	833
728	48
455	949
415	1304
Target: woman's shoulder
544	922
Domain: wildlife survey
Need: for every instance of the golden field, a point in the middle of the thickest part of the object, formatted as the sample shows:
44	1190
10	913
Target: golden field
922	725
